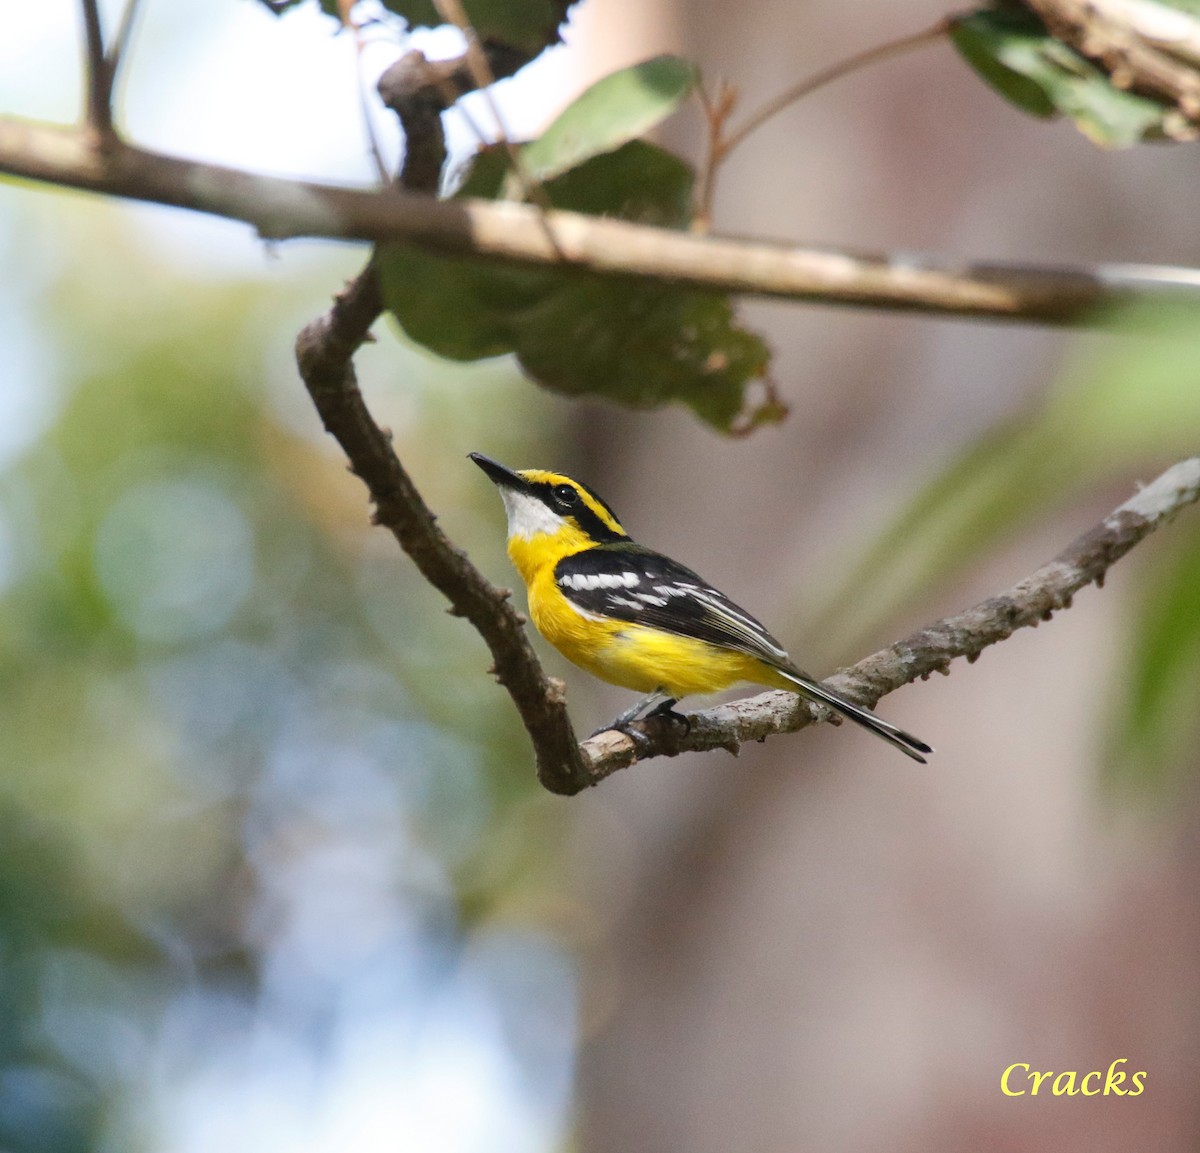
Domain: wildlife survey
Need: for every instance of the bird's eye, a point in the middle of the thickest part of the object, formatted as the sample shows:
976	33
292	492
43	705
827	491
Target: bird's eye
565	496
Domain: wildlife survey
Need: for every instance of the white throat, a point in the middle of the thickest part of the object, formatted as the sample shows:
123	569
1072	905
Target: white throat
528	516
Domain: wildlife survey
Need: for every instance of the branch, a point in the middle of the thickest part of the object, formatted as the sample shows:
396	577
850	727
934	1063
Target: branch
1173	30
517	233
98	73
323	352
928	650
411	88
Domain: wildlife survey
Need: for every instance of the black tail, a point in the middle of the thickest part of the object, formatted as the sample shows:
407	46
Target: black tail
905	742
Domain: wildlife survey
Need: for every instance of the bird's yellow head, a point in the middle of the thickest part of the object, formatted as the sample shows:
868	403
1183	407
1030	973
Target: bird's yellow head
549	515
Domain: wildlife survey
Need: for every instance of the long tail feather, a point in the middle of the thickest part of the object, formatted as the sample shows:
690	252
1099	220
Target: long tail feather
908	744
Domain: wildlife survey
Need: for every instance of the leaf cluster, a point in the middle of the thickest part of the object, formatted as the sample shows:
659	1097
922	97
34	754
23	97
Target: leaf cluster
1011	48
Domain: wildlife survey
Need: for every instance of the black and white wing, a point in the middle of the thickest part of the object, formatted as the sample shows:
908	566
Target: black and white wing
627	582
632	583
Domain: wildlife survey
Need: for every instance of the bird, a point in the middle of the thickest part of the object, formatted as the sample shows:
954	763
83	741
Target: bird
638	619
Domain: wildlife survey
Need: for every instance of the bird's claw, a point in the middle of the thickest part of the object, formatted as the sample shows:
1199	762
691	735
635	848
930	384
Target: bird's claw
667	711
625	724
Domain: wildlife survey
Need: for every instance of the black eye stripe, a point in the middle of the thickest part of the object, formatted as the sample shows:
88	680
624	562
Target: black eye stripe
567	500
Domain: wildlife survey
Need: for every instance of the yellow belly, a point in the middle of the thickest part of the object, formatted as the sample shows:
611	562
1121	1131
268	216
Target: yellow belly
641	658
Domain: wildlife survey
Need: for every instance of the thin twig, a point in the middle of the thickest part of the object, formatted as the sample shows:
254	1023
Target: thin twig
514	233
119	48
928	650
364	104
98	85
452	12
834	72
716	110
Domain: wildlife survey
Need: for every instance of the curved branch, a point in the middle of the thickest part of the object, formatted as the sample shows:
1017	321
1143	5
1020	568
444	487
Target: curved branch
928	650
324	350
519	233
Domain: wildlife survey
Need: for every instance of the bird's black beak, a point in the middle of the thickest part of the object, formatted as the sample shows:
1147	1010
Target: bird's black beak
503	477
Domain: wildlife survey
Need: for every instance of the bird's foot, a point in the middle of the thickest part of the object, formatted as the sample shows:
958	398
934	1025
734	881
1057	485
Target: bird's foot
667	711
625	722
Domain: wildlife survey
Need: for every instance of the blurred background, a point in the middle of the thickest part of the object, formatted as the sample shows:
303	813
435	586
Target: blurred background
275	873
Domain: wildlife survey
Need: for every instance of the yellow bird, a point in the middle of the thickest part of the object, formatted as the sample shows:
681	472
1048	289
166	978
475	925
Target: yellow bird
636	618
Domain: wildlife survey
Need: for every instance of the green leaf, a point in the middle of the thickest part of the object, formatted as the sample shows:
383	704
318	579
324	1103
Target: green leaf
1156	721
621	107
528	24
1012	51
636	343
1005	49
1192	7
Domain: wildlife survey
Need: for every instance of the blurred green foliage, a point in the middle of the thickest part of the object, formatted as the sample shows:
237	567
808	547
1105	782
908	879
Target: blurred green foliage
526	24
1155	726
212	670
51	913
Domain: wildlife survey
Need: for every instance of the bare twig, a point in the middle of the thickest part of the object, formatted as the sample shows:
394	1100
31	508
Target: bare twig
480	71
928	650
280	209
119	48
717	111
834	72
345	11
1173	30
412	89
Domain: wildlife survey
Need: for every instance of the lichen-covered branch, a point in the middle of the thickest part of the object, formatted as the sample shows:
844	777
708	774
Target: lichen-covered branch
928	650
